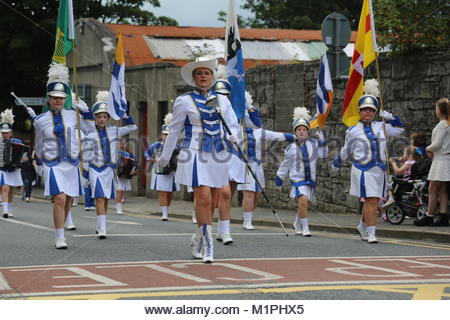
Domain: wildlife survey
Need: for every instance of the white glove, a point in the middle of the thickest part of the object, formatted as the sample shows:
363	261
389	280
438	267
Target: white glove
319	135
386	115
80	105
31	112
162	162
232	138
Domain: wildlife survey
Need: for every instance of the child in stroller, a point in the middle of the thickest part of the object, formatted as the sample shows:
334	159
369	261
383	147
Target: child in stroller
409	187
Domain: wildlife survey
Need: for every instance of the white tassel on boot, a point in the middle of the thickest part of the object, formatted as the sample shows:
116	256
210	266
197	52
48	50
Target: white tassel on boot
208	249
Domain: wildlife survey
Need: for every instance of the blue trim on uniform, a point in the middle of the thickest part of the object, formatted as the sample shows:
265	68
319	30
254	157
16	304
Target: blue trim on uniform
362	186
2	180
257	186
396	122
255	117
98	193
174	186
54	189
289	137
87	115
194	173
151	149
298	194
88	200
129	121
187	133
337	161
384	186
113	190
156	181
278	181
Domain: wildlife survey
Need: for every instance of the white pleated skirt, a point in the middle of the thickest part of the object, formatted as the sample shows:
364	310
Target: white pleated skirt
308	191
11	178
367	184
250	184
123	184
102	183
237	169
440	168
62	178
164	182
198	168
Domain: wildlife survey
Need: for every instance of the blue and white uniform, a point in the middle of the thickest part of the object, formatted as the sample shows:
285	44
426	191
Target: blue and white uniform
123	183
57	146
256	140
203	158
11	176
300	163
100	153
365	145
236	165
160	182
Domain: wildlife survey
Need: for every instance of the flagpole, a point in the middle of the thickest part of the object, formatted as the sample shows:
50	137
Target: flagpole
384	121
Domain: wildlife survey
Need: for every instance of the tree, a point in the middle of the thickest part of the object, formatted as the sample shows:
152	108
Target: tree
295	14
408	25
27	38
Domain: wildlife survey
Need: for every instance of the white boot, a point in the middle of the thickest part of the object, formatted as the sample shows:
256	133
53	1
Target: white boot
194	217
208	249
197	244
371	234
297	225
248	217
69	225
305	227
119	208
164	213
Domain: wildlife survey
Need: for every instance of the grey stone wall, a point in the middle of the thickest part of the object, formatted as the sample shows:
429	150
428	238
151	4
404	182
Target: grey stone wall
411	86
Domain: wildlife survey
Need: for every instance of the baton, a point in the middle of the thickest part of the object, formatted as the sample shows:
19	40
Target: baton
211	100
18	99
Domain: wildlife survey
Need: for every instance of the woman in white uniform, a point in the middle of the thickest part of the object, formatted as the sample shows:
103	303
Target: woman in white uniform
164	183
100	153
365	144
57	146
10	176
203	158
300	163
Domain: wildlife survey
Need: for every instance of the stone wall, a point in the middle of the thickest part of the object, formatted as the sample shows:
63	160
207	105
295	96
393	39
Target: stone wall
411	86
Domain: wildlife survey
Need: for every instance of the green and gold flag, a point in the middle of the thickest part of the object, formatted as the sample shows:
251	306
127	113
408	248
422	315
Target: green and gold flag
65	32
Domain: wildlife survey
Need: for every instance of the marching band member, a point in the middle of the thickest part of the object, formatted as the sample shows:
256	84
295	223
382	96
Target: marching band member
202	162
255	140
300	163
162	181
101	149
365	143
57	146
124	182
10	175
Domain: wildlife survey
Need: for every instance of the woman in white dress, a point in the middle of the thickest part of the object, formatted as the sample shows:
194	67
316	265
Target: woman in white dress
439	175
57	146
365	144
202	162
100	154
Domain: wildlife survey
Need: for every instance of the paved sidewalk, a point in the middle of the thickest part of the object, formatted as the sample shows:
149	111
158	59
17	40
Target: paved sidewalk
321	221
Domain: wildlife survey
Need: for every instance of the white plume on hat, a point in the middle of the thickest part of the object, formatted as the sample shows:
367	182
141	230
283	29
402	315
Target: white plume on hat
222	72
58	73
371	87
102	96
7	116
248	98
168	119
301	113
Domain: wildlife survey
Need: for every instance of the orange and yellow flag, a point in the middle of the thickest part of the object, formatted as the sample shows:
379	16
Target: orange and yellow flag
363	55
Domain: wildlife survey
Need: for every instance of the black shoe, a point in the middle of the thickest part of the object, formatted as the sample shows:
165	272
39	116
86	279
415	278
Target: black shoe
442	221
424	221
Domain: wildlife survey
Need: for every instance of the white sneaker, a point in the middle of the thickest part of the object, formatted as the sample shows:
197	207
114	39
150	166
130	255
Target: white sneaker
70	226
10	214
247	225
119	210
89	209
60	243
225	238
101	234
362	233
197	245
164	217
306	232
371	238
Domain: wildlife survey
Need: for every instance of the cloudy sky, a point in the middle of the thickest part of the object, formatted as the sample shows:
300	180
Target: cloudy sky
201	13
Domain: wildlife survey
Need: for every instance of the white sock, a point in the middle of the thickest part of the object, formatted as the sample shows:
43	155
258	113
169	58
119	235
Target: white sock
248	216
101	222
193	214
118	206
59	233
371	229
69	218
304	222
5	207
219	226
362	225
165	211
224	226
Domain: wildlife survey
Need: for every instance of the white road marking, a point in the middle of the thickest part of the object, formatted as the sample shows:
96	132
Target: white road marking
3	283
32	225
116	221
167	234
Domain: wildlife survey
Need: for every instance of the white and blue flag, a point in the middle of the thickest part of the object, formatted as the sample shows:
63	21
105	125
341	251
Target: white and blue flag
235	62
117	104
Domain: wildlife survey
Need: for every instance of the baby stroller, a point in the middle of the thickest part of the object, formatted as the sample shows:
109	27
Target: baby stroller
411	196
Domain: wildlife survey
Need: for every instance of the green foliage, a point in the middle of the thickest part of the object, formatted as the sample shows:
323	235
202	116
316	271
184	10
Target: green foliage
299	14
409	25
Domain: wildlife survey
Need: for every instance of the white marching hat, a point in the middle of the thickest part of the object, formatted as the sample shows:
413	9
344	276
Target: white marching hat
101	104
201	62
58	79
371	93
167	121
6	121
301	118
